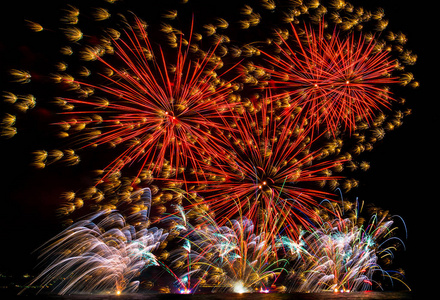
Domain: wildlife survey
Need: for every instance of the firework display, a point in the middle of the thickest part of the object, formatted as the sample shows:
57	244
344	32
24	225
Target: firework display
343	253
215	145
157	112
270	164
335	81
236	257
100	253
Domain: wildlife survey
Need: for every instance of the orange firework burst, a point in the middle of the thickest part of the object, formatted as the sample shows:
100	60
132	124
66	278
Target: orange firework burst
159	114
336	80
268	167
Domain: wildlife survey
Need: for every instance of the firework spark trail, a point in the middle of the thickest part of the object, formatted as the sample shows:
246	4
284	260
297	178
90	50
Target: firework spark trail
100	253
269	165
237	257
157	114
337	80
342	254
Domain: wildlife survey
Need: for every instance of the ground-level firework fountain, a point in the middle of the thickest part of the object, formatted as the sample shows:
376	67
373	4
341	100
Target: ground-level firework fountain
103	253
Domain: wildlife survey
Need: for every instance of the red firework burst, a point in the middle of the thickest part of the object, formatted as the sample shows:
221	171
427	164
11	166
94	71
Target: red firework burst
267	170
155	113
336	80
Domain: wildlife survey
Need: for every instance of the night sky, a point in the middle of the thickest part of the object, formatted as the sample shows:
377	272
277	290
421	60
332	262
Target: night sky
402	178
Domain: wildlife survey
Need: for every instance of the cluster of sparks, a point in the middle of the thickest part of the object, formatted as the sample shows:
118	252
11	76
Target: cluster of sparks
343	254
230	151
103	253
159	115
336	81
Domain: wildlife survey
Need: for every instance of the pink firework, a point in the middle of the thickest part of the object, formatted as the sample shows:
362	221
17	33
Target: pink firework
157	114
336	80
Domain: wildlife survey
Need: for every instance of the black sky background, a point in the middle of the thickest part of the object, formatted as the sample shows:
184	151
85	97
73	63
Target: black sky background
404	166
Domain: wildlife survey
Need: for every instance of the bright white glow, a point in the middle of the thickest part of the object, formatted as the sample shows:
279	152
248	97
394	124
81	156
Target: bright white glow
239	288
